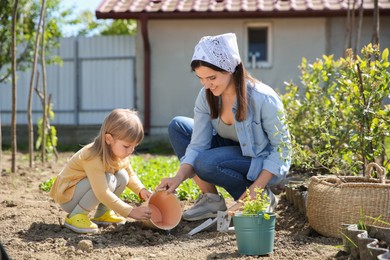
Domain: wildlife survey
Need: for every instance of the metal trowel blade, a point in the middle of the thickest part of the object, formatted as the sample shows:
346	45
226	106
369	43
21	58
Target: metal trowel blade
209	222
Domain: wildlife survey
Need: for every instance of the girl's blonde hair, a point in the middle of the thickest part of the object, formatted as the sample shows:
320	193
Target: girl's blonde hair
122	124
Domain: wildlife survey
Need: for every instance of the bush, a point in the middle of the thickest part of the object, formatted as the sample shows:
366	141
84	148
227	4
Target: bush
337	119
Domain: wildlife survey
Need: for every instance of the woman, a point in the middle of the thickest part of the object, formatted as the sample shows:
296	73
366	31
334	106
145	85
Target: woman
237	139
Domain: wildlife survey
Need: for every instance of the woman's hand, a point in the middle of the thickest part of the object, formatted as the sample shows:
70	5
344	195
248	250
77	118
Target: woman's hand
169	184
145	194
140	213
262	181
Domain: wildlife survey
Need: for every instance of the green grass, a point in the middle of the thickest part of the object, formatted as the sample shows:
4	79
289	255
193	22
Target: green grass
46	185
150	170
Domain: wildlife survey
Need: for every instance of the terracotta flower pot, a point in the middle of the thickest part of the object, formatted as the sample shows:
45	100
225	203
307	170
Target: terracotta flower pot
166	211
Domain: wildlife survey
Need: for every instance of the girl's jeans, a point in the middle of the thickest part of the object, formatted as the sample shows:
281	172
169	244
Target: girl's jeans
222	165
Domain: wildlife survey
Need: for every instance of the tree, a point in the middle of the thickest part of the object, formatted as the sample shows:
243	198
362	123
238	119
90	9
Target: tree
1	149
44	95
376	24
88	25
120	27
47	139
353	31
18	30
33	72
27	18
13	56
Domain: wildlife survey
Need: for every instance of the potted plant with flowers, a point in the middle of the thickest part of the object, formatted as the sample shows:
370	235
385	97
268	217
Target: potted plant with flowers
254	226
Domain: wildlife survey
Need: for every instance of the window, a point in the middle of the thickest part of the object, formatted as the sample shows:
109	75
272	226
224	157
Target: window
258	47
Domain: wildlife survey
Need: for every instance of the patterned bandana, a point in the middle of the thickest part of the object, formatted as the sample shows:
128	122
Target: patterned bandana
220	50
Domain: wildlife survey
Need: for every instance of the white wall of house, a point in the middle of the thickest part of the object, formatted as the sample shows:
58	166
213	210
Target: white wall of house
174	87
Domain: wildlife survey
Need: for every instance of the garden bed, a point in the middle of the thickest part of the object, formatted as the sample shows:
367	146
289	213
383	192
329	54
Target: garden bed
30	229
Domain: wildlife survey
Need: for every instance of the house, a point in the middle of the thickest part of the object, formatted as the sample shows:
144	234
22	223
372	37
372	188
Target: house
273	36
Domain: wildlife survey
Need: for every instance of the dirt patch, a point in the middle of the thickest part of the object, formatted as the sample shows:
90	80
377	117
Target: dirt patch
30	228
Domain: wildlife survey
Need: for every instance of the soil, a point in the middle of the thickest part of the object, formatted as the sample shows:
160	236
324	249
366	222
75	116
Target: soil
31	228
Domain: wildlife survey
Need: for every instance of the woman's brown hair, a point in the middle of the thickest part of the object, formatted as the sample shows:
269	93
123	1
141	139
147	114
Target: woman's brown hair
239	77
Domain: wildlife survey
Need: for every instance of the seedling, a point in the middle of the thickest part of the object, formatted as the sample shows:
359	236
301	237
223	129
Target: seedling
257	205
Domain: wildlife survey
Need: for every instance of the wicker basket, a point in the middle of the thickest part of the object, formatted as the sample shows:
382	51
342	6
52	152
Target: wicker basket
333	201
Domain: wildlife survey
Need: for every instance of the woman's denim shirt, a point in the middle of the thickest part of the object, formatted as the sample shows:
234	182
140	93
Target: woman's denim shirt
263	135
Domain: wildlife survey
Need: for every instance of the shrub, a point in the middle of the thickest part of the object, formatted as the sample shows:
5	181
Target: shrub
338	120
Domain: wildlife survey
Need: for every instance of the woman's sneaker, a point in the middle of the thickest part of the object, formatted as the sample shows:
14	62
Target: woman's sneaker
80	223
108	218
206	206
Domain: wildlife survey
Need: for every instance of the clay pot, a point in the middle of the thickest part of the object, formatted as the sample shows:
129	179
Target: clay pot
291	188
166	211
289	192
363	244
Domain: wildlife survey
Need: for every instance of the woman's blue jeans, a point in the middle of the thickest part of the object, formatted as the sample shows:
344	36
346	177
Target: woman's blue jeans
222	165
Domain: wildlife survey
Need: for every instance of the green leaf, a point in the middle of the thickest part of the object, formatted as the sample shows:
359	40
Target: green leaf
385	54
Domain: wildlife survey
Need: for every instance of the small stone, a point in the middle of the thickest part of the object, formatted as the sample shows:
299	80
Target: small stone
85	245
71	249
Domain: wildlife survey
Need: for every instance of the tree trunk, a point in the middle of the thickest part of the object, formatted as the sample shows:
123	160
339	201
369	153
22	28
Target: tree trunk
1	148
375	35
359	29
44	103
13	120
348	33
33	70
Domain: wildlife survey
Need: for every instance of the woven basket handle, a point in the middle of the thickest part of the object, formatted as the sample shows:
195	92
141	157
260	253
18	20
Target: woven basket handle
379	169
335	180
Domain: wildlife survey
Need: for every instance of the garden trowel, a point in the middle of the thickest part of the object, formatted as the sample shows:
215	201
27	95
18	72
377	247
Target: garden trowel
223	217
222	220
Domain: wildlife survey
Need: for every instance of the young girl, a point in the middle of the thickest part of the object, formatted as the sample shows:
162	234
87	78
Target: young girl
99	172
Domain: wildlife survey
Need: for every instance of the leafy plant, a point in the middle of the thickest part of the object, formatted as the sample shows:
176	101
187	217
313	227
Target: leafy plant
337	118
257	205
378	220
28	14
152	169
362	220
51	135
46	185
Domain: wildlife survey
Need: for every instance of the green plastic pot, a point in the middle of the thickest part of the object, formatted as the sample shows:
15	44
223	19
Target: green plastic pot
254	234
